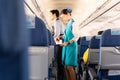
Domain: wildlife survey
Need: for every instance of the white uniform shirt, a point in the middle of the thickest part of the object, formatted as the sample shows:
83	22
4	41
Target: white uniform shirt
75	31
58	28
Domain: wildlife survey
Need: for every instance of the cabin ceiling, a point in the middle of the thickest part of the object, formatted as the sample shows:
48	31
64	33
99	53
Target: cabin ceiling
107	18
81	8
83	12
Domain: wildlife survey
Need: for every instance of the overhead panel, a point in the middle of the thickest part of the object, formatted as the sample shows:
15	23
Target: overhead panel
108	20
81	8
99	12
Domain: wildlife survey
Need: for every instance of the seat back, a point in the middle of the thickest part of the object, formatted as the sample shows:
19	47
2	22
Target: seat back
41	50
94	50
13	41
109	57
39	34
110	50
84	43
51	39
51	47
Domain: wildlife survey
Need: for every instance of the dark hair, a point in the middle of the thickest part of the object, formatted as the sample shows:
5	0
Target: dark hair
65	11
100	32
55	11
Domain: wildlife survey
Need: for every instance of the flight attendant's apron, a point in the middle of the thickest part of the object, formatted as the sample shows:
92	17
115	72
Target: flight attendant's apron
69	52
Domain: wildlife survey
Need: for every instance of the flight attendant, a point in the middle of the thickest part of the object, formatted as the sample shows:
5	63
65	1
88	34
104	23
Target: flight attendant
58	31
70	46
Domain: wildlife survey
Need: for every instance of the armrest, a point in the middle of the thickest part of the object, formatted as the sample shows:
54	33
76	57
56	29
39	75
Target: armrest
92	74
82	64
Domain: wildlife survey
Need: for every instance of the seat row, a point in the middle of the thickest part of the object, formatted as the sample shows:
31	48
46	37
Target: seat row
103	56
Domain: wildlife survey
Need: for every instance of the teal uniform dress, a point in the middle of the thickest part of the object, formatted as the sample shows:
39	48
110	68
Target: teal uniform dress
70	52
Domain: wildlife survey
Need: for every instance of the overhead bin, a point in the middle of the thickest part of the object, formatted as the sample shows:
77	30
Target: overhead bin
39	34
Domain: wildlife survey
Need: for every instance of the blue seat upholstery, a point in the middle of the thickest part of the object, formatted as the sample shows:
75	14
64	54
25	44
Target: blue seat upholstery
13	41
109	58
39	34
94	50
84	43
110	38
95	42
93	56
51	39
41	49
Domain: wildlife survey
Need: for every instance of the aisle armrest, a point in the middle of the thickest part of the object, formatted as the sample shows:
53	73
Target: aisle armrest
92	74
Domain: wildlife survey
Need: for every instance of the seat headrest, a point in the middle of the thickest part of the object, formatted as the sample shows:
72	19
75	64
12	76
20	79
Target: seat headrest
85	40
110	38
95	42
39	34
